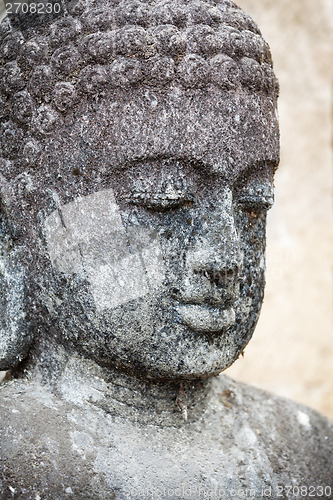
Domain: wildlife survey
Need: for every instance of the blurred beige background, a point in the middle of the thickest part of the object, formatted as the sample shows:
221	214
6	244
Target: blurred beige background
291	352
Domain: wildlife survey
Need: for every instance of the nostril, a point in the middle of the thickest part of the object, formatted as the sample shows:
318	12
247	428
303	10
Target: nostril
231	272
218	276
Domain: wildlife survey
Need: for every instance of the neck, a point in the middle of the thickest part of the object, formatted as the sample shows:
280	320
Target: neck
81	381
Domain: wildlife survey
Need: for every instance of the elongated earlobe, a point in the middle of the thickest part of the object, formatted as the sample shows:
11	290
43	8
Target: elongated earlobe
15	335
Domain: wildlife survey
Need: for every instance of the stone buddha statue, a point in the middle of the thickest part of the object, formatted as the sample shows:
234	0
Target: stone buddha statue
139	141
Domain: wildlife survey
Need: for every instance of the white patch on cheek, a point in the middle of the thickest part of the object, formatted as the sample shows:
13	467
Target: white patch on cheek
63	249
115	284
87	237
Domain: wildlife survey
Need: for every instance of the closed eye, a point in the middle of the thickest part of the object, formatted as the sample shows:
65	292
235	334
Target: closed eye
256	204
160	203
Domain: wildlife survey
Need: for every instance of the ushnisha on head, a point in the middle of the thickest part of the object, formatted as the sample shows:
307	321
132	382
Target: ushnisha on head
138	146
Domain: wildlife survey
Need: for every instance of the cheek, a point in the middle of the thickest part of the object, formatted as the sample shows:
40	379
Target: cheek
252	236
92	239
165	239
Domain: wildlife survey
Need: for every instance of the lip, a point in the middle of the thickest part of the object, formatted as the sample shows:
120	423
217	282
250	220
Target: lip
206	319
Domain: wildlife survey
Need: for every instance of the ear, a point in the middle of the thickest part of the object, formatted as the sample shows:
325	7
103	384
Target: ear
15	335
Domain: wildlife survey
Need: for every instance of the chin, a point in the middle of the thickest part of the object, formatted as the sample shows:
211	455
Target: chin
149	339
192	356
201	355
192	368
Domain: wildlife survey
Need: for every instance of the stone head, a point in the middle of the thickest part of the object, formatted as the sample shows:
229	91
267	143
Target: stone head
138	146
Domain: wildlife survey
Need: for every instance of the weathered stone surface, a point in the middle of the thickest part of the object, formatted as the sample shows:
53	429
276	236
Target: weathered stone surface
246	443
134	204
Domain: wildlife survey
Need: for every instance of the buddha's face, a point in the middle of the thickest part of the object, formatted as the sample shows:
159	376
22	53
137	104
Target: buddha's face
154	229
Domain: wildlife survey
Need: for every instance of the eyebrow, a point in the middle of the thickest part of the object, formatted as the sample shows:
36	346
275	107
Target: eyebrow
259	166
187	161
201	166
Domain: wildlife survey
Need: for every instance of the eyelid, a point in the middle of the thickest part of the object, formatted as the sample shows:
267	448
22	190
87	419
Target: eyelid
256	197
162	202
256	203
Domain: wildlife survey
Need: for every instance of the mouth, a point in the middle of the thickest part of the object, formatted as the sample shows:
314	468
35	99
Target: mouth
206	319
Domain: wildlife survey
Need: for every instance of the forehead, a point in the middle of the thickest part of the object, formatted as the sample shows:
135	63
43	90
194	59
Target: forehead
226	132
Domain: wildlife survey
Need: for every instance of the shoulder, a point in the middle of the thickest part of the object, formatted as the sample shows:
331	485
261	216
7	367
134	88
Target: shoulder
285	416
25	404
296	440
37	455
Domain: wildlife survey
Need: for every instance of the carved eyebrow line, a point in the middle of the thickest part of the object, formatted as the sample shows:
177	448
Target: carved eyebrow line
155	158
257	166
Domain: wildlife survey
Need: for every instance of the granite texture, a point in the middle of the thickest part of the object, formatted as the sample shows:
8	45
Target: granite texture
138	147
245	444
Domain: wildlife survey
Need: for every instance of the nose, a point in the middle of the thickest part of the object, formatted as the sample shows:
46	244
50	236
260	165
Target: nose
215	251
